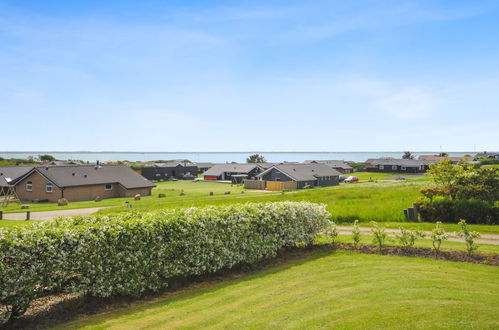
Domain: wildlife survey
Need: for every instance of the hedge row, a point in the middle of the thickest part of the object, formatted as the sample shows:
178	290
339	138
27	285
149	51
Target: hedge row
472	210
128	254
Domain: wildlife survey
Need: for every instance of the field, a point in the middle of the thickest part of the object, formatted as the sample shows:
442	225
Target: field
327	289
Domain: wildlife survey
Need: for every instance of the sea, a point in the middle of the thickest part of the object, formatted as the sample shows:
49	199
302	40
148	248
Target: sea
218	157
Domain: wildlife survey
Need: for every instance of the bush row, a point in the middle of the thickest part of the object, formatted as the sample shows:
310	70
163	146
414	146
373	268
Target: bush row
472	210
132	253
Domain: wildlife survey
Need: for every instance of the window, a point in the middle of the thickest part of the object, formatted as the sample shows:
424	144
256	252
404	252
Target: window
29	186
48	187
394	167
403	168
108	187
381	167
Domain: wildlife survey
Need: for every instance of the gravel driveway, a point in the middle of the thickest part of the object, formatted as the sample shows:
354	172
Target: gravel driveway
47	215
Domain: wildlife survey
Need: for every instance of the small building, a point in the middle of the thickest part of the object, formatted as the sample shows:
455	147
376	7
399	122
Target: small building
166	171
485	154
394	165
80	183
338	165
203	167
311	175
233	172
9	175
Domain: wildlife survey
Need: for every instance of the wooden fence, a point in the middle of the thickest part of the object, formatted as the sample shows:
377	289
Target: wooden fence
254	184
281	185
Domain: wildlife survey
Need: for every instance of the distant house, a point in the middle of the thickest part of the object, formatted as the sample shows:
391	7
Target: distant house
233	172
9	175
494	155
166	171
338	165
312	174
453	160
80	183
394	165
203	167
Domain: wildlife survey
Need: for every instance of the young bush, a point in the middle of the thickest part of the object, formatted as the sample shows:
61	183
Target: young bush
468	236
379	235
130	253
356	233
407	238
331	232
438	235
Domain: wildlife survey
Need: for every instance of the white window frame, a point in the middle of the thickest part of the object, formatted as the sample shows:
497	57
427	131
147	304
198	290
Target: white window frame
49	185
394	167
29	185
382	167
110	186
403	168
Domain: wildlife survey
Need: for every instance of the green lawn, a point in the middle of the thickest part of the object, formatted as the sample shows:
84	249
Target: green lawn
326	289
347	202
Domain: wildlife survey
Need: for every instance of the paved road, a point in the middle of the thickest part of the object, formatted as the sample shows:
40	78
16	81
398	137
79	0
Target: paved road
484	238
47	215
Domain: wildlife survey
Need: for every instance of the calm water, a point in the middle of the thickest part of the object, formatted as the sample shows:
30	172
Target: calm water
218	157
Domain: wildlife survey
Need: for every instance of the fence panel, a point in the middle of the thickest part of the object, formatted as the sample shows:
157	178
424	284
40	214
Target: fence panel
254	184
281	185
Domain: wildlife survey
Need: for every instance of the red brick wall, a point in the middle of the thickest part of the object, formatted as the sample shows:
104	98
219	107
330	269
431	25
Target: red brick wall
38	192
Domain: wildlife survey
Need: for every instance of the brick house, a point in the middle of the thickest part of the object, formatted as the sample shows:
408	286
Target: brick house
80	183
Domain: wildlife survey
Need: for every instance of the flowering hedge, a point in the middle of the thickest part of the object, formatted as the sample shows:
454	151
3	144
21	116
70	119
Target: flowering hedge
128	254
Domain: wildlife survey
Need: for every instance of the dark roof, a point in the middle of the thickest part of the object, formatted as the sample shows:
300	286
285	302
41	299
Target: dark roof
399	162
203	165
304	172
83	175
10	174
332	163
218	169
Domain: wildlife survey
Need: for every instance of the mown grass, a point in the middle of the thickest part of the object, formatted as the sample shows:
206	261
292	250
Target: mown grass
327	289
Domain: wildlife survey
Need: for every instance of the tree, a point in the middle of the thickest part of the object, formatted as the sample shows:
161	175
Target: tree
47	158
408	155
443	154
255	158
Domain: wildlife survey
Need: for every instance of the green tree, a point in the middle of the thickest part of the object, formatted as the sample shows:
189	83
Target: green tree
443	154
408	155
255	158
47	158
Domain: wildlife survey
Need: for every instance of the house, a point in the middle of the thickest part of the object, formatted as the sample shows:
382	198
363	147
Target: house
338	165
485	154
312	174
9	175
203	167
392	165
166	171
80	183
453	160
233	171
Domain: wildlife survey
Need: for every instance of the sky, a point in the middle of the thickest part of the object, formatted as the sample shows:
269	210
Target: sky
360	75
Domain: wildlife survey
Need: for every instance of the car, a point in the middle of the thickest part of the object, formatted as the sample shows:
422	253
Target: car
188	176
342	178
351	179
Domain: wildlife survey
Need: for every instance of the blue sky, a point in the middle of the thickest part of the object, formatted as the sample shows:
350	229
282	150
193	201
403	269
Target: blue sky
249	75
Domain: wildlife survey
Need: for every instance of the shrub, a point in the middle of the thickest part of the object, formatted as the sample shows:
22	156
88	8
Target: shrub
447	210
130	253
356	233
438	235
379	235
468	236
407	238
331	232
